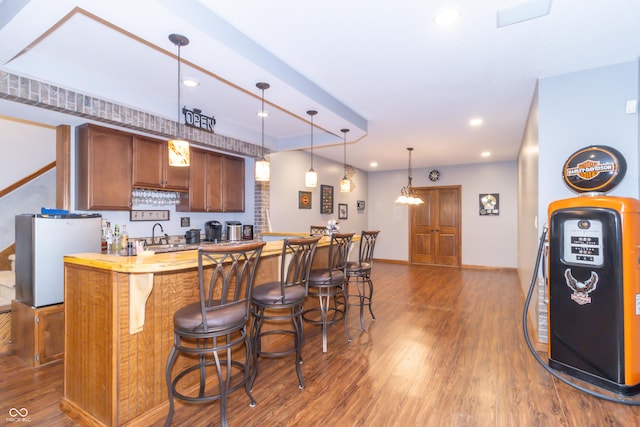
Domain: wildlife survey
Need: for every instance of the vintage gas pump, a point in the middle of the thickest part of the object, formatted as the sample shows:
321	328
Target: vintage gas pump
593	275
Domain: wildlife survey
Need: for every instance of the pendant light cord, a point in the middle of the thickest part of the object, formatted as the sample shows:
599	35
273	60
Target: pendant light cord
312	113
311	141
262	117
178	130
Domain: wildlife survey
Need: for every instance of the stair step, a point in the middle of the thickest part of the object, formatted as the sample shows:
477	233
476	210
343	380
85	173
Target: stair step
7	293
7	278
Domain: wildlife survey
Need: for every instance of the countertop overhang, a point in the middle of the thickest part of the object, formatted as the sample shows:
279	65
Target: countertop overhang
164	262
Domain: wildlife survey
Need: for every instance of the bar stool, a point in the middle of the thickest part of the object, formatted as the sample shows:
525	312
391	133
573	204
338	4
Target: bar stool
328	284
318	230
361	271
281	301
215	324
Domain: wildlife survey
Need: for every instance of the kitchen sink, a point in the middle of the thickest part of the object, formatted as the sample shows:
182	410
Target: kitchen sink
175	247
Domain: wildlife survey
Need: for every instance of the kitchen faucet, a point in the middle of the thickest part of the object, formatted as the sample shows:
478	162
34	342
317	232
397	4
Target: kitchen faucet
153	234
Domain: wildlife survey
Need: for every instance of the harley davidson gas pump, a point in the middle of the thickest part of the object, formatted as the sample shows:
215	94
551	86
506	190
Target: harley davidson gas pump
593	275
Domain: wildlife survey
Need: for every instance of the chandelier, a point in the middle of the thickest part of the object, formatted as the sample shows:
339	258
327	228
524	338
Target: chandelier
407	194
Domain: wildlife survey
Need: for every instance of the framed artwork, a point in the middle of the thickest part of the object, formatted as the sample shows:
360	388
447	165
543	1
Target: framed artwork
326	199
343	211
489	204
304	199
360	205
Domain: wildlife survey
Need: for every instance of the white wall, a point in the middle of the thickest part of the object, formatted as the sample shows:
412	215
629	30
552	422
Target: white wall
287	179
486	240
582	109
26	147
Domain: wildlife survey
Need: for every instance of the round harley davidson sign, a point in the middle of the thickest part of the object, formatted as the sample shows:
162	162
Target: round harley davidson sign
596	168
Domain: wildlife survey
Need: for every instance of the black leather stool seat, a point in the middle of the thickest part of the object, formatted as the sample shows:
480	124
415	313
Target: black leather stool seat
189	318
270	293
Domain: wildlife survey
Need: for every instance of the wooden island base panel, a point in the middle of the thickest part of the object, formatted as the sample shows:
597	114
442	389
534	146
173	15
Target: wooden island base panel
119	330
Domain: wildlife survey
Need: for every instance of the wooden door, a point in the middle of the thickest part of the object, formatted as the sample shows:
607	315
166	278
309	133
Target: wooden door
435	227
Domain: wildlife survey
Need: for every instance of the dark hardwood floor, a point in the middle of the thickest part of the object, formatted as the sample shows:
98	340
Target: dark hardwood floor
446	350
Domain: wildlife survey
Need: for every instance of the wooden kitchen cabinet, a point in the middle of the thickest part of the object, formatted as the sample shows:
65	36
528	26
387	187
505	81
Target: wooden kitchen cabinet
37	334
103	168
151	166
216	183
232	184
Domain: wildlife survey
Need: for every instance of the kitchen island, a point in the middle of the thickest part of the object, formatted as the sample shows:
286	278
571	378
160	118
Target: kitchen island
119	329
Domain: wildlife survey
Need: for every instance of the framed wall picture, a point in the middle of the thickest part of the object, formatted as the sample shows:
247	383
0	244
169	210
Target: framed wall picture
304	199
343	211
326	199
489	204
360	205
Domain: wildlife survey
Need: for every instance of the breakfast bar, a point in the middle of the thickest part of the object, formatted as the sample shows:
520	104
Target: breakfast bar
119	331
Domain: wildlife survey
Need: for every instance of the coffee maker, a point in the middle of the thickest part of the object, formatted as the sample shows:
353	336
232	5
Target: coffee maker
213	231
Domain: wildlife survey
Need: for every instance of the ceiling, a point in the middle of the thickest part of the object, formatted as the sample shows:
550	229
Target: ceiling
382	69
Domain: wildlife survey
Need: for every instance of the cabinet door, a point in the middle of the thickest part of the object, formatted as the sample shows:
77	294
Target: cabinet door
233	184
176	178
148	160
213	182
103	168
151	166
196	200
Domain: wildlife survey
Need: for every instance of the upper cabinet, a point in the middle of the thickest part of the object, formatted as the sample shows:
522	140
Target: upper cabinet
151	166
232	184
103	168
109	163
216	183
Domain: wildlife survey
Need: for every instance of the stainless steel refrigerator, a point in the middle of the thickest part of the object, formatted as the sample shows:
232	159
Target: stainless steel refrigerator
41	243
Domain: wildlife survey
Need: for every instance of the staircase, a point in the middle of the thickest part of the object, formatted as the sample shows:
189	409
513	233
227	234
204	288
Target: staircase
8	283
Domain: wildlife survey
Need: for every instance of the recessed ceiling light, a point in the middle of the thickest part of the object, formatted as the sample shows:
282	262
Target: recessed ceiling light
190	82
477	121
373	164
263	114
485	154
447	17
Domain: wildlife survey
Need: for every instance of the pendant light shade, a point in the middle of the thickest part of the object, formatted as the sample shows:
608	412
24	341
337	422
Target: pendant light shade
311	177
345	183
263	168
178	147
407	194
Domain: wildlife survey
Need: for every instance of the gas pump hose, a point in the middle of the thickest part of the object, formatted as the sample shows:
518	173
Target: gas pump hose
542	363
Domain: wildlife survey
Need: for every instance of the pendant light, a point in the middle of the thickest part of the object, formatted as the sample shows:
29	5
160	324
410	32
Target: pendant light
407	195
345	183
178	147
311	177
263	168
